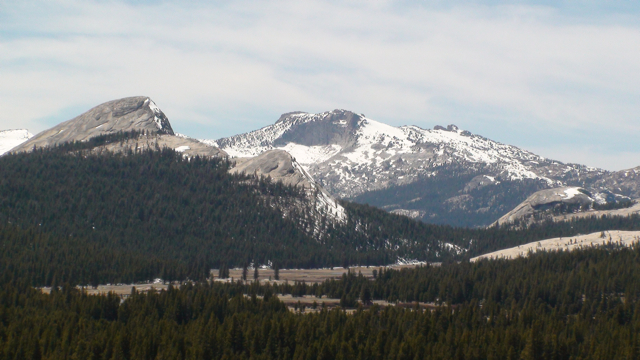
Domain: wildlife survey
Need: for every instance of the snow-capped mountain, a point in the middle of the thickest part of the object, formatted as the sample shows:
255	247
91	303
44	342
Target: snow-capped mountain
351	154
12	138
439	175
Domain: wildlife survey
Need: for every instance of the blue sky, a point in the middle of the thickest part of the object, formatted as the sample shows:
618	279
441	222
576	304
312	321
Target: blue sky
559	78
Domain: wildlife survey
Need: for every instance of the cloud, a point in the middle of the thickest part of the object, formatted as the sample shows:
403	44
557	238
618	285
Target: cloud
516	74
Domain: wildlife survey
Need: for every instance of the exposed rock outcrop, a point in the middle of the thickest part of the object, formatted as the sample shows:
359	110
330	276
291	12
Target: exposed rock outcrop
281	166
133	113
580	199
276	164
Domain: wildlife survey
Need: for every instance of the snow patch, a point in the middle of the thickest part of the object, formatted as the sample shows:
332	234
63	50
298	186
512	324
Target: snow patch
157	112
571	192
12	138
182	148
402	261
455	248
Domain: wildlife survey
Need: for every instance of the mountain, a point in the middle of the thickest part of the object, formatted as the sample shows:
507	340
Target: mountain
12	138
130	180
442	175
153	131
625	182
134	113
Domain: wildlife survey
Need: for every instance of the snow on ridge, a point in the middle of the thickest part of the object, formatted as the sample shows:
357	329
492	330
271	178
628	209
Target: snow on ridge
12	138
571	192
156	111
472	148
311	154
323	201
258	141
379	155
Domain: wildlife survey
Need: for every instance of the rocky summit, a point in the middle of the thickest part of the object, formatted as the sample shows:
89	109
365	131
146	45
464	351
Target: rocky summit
138	113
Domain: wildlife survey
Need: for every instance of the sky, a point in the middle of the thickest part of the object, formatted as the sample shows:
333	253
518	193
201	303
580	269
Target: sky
558	78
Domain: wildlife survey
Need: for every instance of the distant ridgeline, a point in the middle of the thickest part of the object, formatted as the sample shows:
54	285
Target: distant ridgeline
70	214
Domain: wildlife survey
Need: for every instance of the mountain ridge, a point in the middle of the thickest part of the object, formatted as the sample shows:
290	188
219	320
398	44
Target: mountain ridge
354	157
362	142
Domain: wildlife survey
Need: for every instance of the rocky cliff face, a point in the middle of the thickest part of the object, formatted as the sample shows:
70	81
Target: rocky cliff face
625	182
442	175
134	113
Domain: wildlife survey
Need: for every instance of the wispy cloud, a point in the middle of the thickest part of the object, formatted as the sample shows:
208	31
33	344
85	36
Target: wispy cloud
521	74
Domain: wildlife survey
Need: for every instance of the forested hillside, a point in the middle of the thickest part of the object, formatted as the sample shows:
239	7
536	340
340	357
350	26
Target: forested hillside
78	215
136	216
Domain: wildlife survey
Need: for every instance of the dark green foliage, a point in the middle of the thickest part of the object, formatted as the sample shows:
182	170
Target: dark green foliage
128	218
622	204
245	272
70	215
553	278
85	218
576	305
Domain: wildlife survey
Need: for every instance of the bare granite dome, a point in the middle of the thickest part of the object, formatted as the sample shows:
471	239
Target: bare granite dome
133	113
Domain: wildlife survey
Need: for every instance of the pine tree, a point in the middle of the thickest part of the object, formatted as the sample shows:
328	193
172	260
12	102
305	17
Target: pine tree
365	294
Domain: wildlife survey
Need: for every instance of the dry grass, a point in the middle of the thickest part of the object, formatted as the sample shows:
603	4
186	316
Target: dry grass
626	238
309	276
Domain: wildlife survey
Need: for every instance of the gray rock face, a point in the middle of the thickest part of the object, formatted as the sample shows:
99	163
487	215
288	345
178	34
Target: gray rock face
338	128
277	164
544	198
547	199
626	182
187	146
133	113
